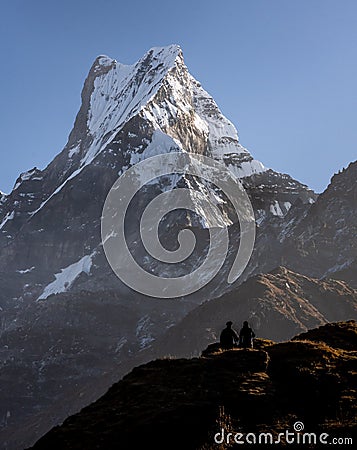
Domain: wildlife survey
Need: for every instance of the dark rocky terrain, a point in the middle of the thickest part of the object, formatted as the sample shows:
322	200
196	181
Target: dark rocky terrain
278	305
68	356
69	328
76	348
183	403
323	242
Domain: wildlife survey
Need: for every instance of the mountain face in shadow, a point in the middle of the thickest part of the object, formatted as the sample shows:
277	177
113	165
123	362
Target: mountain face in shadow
323	242
69	327
278	305
184	403
50	236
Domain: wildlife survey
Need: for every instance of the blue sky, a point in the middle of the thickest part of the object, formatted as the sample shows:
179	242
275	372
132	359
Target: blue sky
283	71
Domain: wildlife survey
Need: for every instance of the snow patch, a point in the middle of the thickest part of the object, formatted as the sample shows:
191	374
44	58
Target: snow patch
26	270
260	216
246	168
9	216
287	206
160	143
105	61
67	276
276	210
120	344
338	267
25	176
142	332
73	151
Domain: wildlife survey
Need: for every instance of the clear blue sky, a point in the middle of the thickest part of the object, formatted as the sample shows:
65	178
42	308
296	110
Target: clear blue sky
284	72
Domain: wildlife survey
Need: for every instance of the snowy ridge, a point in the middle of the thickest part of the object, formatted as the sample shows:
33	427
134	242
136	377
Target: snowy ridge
159	90
127	90
9	216
25	176
74	174
185	98
223	136
121	93
118	95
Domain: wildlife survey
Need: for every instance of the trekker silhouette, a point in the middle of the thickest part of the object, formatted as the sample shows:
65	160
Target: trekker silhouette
246	336
228	337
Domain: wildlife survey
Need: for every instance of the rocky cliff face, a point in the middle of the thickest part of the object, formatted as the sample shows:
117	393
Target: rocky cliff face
324	240
66	320
184	403
51	219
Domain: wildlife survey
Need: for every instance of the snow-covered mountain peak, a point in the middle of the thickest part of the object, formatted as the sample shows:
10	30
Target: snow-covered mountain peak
166	55
117	92
105	61
159	89
130	112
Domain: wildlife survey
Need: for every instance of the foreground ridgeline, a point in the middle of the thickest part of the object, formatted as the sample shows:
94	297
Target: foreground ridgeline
307	384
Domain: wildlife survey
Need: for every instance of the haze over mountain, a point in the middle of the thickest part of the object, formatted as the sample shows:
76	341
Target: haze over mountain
69	326
237	391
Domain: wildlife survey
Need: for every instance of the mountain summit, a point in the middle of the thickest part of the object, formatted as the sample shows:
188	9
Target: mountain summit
50	222
69	327
161	92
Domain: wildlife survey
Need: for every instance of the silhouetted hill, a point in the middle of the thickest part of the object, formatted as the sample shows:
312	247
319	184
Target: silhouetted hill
344	336
183	403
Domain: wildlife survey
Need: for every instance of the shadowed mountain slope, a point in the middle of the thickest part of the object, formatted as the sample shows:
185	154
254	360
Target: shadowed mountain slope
183	403
278	305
